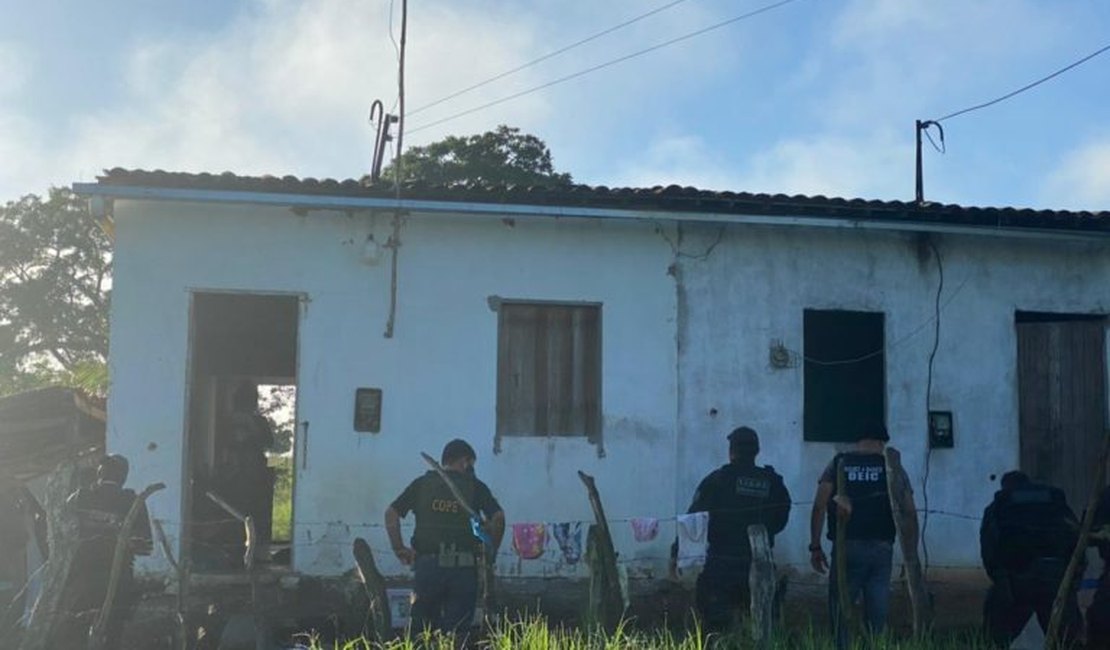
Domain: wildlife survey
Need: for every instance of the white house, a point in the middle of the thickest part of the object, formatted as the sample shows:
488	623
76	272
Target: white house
619	332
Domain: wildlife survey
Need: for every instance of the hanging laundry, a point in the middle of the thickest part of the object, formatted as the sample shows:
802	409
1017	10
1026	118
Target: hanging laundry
692	529
529	540
645	529
569	537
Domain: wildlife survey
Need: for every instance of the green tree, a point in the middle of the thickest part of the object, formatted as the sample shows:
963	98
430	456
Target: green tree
55	276
503	156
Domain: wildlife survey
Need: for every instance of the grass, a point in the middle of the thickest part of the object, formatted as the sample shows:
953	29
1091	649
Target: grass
536	634
282	528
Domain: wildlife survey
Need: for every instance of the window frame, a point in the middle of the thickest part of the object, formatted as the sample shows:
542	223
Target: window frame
592	430
817	423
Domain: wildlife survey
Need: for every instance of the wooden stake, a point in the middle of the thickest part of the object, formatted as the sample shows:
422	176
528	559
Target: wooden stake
841	559
608	608
1052	641
761	586
905	522
373	582
182	640
98	633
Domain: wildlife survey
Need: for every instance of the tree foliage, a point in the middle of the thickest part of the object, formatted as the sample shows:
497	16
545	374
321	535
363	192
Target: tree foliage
55	270
504	156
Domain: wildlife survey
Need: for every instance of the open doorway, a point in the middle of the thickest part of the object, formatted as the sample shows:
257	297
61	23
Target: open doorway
241	428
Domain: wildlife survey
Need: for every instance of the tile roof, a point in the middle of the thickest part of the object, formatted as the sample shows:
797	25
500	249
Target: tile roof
670	198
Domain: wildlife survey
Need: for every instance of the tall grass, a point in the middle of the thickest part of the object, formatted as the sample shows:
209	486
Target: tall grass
536	634
282	527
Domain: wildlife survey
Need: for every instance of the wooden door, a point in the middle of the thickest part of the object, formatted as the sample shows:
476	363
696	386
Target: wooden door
1062	402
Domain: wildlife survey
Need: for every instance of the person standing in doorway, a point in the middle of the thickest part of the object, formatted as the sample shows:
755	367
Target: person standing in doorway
1027	536
869	532
444	551
736	495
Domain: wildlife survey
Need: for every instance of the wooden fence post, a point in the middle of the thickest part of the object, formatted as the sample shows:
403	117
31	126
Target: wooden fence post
761	586
98	633
606	604
1053	641
840	559
373	582
905	523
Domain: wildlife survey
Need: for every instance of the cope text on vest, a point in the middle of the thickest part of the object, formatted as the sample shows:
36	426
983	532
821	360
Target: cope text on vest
445	505
863	473
752	487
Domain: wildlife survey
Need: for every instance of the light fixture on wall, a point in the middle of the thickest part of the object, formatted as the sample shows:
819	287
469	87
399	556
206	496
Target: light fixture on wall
371	251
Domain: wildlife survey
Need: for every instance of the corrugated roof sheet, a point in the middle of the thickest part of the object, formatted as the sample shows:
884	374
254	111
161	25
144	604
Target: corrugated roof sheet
670	198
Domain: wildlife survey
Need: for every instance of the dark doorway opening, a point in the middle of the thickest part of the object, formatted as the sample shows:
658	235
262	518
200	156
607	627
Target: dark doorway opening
1061	398
241	428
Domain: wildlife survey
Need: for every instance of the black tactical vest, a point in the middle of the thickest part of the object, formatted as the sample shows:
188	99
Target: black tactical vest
441	521
866	485
737	498
1034	522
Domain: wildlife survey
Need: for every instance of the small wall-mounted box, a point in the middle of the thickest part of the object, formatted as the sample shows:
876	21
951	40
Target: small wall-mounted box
368	410
942	432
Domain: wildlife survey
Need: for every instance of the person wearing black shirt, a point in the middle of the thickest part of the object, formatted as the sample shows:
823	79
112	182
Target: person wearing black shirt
736	495
869	533
1026	538
444	546
100	511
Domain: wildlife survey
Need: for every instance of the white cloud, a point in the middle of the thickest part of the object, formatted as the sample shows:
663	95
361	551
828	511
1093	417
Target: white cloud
873	166
675	160
1082	180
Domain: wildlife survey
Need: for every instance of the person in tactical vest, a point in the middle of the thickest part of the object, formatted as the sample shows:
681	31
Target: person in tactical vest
1027	536
444	553
100	511
869	533
1098	614
736	496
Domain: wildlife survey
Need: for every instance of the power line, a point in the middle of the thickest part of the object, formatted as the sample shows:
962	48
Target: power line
1027	86
549	55
606	64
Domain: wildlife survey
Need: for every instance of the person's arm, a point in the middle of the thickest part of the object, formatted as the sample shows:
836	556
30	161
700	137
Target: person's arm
393	528
488	506
817	558
778	510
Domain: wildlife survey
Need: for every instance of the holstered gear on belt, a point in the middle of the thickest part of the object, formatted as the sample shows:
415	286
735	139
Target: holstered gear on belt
450	557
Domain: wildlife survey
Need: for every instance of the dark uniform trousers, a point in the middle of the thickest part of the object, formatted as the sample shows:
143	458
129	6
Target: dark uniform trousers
1013	599
722	591
445	591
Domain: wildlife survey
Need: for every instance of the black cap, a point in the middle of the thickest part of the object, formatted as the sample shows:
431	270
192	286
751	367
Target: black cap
456	449
1014	479
113	469
743	440
876	431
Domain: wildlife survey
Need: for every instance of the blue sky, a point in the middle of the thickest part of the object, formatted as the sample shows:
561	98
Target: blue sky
814	97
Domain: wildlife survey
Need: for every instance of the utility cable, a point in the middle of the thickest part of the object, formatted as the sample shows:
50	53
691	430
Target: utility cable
929	403
1026	87
606	64
547	56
